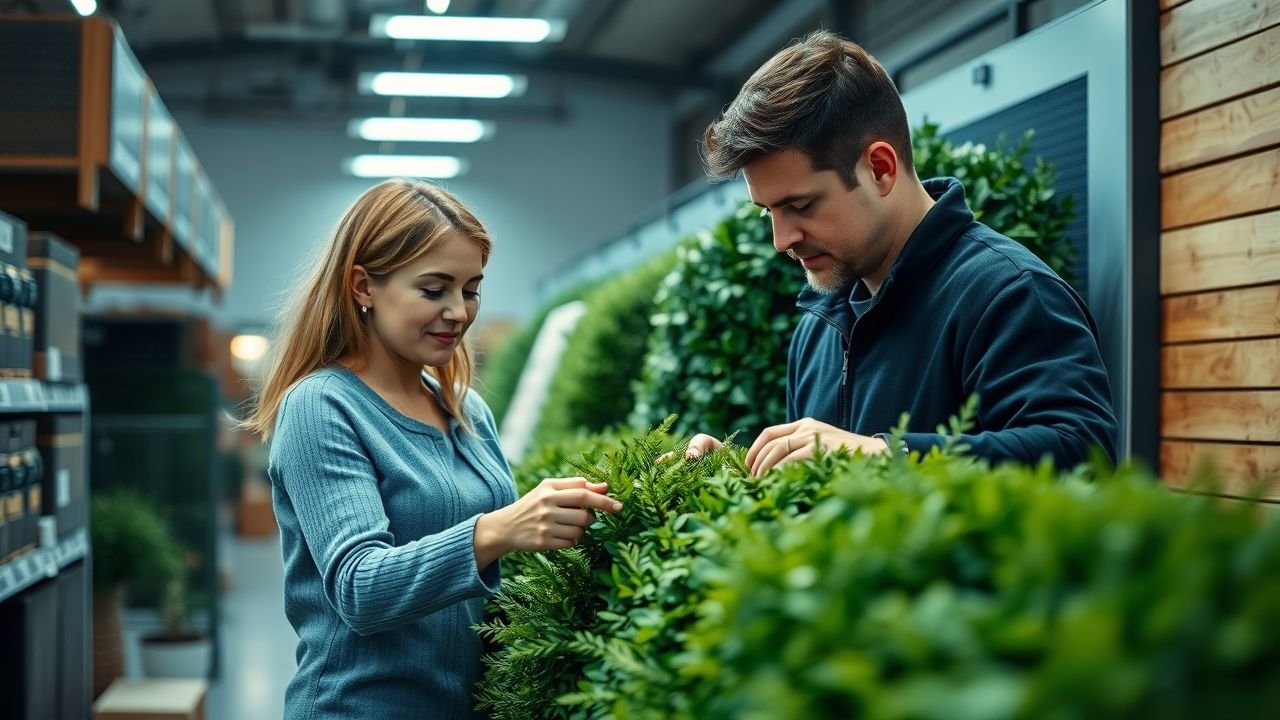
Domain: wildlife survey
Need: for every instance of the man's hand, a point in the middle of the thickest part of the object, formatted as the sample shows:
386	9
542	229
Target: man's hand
797	441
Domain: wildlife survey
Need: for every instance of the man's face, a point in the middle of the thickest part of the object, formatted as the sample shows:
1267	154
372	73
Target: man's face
834	231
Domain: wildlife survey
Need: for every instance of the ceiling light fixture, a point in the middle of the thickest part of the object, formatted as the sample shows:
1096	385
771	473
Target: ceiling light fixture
249	347
419	166
393	129
468	29
442	84
438	7
85	7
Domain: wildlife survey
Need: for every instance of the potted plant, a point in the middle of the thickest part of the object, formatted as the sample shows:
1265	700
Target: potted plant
179	650
133	552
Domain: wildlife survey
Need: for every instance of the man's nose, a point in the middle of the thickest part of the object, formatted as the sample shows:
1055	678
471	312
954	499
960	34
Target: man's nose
785	234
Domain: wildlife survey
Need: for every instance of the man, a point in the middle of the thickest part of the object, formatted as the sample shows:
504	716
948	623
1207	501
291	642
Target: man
912	305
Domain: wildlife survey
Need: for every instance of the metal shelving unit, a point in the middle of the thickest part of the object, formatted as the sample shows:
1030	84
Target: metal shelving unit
41	564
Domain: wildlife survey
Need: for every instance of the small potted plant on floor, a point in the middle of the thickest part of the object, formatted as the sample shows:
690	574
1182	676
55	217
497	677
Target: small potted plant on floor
179	650
133	552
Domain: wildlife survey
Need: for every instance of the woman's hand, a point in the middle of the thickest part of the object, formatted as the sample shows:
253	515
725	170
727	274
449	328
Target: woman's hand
700	445
552	516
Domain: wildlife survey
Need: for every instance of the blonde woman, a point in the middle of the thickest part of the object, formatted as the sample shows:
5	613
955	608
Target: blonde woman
392	494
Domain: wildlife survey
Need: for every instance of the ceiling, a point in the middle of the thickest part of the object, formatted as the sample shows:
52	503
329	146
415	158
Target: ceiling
256	57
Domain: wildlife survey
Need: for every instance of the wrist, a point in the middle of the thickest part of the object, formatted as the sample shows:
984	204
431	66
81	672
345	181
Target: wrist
888	446
490	540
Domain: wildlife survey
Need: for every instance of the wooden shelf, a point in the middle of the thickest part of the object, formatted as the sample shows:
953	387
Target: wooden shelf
94	156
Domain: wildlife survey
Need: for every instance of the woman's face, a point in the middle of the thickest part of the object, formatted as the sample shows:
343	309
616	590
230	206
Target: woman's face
421	312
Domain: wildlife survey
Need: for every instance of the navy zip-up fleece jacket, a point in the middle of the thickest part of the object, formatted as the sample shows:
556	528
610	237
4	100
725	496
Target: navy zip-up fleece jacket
963	310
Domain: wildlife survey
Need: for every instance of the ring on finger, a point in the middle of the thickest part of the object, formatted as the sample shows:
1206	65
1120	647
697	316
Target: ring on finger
788	439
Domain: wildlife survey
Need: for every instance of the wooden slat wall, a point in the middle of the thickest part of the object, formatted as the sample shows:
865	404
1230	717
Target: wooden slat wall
1220	244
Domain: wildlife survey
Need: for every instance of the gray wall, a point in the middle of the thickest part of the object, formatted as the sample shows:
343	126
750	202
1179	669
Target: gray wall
546	191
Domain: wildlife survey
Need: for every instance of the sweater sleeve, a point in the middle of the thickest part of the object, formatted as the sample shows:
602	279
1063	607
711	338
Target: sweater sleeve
373	584
1033	360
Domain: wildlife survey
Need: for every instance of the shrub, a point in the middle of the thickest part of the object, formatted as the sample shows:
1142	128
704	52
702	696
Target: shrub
1003	192
888	587
953	590
584	632
591	389
724	320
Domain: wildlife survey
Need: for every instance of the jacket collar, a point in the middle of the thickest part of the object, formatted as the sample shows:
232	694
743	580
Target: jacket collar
937	231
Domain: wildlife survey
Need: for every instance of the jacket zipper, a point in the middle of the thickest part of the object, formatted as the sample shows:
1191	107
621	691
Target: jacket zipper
846	342
844	389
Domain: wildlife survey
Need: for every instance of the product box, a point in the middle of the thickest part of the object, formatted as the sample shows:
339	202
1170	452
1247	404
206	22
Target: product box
13	263
22	502
61	449
54	303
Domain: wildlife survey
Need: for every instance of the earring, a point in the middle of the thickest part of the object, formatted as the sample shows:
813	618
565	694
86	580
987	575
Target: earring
364	309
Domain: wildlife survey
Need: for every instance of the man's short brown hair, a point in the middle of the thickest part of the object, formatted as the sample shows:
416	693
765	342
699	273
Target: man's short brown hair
823	95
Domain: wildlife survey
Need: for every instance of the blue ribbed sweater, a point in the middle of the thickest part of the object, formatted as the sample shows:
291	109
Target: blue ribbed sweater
377	516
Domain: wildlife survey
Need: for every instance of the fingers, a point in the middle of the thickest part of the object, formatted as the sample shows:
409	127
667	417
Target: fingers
586	499
782	450
700	445
576	517
565	483
769	435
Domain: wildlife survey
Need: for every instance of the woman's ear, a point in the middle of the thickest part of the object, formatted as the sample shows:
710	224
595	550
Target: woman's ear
361	286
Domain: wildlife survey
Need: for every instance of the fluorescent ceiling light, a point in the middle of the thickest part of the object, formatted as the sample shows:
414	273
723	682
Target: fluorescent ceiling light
442	84
421	166
438	7
391	129
85	7
473	29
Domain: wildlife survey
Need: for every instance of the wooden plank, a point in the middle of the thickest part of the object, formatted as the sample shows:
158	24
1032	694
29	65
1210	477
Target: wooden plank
1241	364
1243	416
1234	187
1166	5
1233	70
1229	253
1241	470
1203	25
23	162
1234	128
95	105
92	271
1223	315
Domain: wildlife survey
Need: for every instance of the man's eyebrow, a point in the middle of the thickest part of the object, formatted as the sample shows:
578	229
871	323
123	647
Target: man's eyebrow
786	200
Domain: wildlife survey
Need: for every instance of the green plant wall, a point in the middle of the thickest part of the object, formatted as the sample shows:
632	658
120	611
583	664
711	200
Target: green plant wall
591	389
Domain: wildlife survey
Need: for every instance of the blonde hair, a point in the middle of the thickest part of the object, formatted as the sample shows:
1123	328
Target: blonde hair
392	225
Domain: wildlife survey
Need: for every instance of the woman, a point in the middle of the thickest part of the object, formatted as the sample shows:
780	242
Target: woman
393	497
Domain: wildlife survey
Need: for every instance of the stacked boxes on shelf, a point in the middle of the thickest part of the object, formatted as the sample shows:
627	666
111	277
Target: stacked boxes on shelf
58	360
21	485
17	299
53	263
